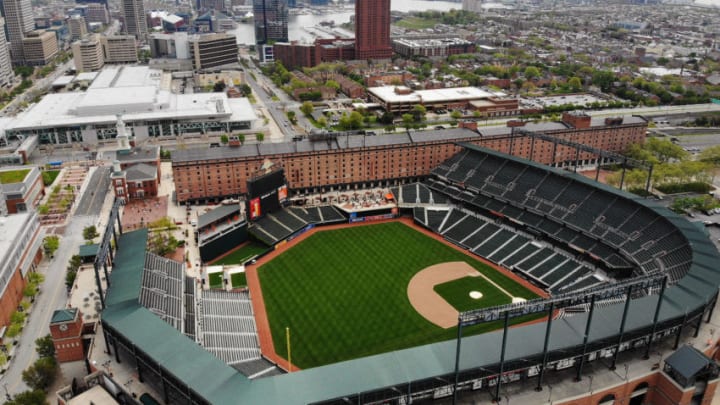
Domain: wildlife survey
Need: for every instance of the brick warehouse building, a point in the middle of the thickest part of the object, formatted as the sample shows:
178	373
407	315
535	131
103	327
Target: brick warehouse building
21	240
346	161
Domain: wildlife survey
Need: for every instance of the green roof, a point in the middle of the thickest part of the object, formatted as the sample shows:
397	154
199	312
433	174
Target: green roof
88	250
173	350
63	315
13	176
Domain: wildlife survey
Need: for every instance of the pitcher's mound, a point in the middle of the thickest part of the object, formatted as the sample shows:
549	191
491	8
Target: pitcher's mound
430	304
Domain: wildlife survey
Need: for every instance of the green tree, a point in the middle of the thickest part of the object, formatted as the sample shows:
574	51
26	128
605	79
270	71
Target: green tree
418	112
219	86
456	115
307	108
35	277
70	278
386	118
356	120
13	330
407	119
665	150
603	79
711	155
90	232
162	243
41	374
30	290
332	84
17	317
322	121
260	137
34	397
51	243
291	116
531	72
575	83
245	90
241	138
224	139
44	346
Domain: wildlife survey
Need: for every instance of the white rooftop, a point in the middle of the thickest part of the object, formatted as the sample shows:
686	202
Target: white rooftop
388	94
133	92
62	81
86	76
10	228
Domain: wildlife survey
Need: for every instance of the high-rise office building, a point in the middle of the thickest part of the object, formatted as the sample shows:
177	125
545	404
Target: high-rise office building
120	49
97	13
212	50
6	72
271	21
372	29
19	21
134	13
39	47
77	27
88	54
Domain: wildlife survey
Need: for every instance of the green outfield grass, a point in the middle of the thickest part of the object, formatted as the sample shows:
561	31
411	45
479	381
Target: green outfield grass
242	254
457	293
238	280
343	293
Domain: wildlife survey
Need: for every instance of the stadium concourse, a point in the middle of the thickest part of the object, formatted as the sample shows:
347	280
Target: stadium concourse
556	229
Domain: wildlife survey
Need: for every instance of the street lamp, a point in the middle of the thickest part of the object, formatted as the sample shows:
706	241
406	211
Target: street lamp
550	394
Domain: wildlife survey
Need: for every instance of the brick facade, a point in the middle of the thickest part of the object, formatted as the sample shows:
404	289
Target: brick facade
315	170
67	337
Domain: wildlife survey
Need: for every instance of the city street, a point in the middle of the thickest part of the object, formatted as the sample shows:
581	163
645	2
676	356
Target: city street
53	293
53	296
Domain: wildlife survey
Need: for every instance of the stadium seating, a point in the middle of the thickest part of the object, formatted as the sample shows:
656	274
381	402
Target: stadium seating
189	307
494	243
508	248
520	255
464	228
578	216
228	326
162	289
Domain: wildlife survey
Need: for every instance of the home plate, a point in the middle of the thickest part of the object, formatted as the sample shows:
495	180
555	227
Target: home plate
476	295
517	300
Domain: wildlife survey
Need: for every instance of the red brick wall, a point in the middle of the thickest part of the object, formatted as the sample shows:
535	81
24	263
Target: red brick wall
11	298
197	180
661	391
68	343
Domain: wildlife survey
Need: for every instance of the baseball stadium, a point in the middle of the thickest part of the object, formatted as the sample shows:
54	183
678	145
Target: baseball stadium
491	270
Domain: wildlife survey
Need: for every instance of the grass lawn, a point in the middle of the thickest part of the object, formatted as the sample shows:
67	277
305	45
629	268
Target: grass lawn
343	293
215	280
238	280
243	254
416	23
457	293
13	176
49	176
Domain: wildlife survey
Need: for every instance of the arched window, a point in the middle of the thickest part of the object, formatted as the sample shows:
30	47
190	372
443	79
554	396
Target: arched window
608	399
